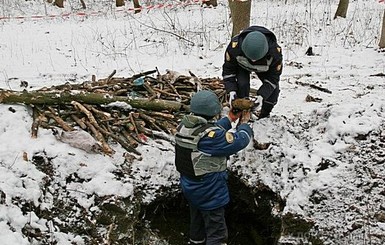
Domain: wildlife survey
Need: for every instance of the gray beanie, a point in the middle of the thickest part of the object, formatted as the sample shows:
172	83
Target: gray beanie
255	45
205	103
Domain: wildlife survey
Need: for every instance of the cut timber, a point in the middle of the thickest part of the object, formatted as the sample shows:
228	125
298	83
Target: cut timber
57	98
124	110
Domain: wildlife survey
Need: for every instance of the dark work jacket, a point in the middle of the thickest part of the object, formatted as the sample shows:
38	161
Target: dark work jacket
209	191
273	60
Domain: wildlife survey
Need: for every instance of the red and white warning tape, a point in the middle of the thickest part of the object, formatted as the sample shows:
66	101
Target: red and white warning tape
94	13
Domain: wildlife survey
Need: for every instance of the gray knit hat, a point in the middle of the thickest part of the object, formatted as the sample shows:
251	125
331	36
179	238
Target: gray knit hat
255	45
205	103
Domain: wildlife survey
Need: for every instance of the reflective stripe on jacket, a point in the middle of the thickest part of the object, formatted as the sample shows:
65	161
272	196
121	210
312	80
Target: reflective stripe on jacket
201	153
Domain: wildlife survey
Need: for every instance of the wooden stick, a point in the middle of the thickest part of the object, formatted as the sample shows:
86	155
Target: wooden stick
314	86
130	139
149	89
146	73
150	120
122	91
164	92
83	109
121	121
133	123
174	89
59	120
140	127
164	136
94	127
104	115
99	137
167	127
160	114
110	76
79	121
124	144
118	139
35	122
100	88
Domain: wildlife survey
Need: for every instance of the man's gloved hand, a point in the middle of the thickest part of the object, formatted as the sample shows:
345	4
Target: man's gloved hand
232	96
258	103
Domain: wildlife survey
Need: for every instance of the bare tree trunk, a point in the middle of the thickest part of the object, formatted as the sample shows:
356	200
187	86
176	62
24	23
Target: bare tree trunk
240	15
59	3
83	4
382	39
137	6
213	3
342	9
119	3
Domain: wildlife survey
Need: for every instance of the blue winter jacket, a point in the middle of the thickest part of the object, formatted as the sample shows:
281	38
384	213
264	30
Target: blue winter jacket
210	191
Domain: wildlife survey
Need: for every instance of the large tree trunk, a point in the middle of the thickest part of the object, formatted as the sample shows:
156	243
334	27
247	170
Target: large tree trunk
55	98
137	6
84	6
213	3
240	15
382	38
342	9
119	3
59	3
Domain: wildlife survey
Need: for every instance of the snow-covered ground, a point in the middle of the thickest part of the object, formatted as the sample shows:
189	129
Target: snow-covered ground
326	158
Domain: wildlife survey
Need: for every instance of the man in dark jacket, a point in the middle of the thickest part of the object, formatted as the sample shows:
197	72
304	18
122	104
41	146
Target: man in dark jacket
202	148
255	49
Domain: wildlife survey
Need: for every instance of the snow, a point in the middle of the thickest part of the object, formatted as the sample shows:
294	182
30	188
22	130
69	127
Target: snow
55	50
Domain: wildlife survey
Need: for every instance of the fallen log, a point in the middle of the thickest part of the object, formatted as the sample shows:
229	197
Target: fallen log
63	98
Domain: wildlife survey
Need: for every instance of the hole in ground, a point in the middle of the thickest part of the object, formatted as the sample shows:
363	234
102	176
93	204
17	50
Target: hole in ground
249	216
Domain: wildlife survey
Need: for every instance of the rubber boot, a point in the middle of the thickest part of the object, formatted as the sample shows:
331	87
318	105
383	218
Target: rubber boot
265	111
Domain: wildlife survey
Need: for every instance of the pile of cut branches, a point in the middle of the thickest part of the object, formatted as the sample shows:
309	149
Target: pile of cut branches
116	109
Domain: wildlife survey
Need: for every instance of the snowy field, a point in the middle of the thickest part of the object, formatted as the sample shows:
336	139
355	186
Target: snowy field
326	158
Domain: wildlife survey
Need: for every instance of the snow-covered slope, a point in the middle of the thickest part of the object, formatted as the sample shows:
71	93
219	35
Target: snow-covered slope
326	158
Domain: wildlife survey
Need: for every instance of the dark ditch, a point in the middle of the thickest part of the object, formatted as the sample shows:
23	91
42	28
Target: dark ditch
249	216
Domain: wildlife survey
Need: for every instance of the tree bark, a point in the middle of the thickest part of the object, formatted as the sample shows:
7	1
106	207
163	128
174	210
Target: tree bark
382	38
137	6
342	9
84	6
213	3
119	3
240	15
59	3
47	98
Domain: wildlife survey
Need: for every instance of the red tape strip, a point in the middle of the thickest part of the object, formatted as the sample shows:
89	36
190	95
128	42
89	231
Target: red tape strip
148	7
